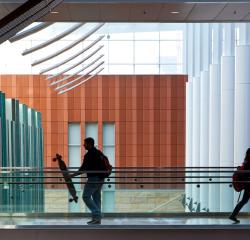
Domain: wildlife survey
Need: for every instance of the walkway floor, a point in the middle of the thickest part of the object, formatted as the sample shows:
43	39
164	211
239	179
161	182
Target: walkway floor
124	223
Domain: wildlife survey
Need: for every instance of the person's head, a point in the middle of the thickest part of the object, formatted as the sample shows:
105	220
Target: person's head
247	154
89	143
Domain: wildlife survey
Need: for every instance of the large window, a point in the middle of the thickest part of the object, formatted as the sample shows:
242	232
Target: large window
74	145
108	141
74	142
91	130
129	48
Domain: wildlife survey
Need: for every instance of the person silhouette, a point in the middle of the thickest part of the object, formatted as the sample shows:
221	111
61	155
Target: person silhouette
246	195
92	189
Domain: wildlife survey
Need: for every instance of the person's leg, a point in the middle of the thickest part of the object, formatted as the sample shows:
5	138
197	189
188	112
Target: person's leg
89	190
238	207
97	199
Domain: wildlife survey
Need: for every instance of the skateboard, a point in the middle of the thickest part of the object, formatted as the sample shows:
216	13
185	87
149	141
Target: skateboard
68	181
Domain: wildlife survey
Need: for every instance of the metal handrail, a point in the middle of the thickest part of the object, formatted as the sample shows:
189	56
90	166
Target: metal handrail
124	182
146	168
134	177
138	171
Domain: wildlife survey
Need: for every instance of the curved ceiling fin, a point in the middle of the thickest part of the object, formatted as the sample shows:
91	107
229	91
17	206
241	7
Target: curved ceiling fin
55	54
52	40
72	75
72	57
77	79
76	64
80	83
30	31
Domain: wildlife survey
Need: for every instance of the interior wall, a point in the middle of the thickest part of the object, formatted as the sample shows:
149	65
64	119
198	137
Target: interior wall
148	112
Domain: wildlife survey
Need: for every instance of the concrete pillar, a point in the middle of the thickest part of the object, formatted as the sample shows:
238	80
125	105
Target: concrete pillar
204	112
189	111
214	134
214	115
196	114
227	113
196	140
189	117
204	136
242	97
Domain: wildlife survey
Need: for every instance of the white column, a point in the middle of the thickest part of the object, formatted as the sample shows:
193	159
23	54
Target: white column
204	112
227	113
189	117
196	139
196	113
204	127
189	110
242	96
214	115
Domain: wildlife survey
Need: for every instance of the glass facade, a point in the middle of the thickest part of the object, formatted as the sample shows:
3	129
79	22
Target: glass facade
91	130
108	147
21	158
75	159
129	48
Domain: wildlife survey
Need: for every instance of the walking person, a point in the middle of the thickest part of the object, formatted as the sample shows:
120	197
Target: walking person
92	189
246	195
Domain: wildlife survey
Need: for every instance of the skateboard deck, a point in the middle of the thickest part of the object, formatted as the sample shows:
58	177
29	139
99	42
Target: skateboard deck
68	181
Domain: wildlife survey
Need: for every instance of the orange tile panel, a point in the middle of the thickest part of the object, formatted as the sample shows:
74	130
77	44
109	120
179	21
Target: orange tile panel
112	103
117	98
94	115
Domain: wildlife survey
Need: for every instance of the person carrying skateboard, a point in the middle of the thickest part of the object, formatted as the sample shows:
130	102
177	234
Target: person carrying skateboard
92	189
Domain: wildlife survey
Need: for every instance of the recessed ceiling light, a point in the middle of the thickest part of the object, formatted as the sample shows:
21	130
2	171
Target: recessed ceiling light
175	12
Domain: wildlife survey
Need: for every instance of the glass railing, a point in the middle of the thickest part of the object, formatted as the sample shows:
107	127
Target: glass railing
127	190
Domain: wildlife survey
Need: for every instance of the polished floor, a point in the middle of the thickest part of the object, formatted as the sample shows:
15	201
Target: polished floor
125	223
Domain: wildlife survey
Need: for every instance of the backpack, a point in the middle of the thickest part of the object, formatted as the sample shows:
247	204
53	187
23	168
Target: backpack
238	176
105	166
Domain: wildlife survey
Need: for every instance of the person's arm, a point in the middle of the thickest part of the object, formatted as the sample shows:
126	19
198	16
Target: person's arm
79	171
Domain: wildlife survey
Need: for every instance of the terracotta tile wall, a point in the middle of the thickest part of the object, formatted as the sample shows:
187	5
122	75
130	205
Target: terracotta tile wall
148	111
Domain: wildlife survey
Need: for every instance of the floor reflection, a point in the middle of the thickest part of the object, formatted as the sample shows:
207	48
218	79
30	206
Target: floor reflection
177	221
